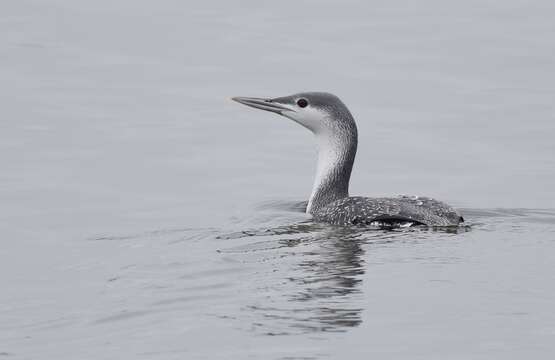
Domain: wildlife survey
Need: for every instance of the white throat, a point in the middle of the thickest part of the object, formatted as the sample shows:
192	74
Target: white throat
337	143
331	154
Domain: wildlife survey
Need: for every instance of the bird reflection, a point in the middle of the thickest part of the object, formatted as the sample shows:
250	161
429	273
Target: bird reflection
322	285
329	282
319	278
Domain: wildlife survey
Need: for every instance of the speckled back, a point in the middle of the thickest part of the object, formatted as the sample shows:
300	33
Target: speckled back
365	211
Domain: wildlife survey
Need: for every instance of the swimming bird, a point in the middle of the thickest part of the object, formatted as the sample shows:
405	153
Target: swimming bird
326	116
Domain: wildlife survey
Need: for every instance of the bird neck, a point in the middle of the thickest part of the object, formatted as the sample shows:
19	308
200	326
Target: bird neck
336	155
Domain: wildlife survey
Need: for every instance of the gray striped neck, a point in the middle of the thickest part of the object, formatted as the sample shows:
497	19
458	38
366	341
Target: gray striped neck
336	155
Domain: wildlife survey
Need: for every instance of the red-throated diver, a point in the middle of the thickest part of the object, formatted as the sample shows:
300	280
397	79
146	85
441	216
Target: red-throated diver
336	133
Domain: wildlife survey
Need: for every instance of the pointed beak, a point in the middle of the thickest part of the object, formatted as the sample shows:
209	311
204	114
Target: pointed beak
263	104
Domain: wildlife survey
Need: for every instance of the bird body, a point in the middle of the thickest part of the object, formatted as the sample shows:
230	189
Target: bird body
396	211
337	137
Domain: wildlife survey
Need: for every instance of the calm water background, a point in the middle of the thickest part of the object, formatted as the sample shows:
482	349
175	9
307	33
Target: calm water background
145	216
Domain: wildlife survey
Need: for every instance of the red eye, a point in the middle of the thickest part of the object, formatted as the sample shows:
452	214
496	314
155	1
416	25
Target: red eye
302	103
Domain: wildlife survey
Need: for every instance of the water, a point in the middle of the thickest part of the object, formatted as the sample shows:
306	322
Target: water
143	215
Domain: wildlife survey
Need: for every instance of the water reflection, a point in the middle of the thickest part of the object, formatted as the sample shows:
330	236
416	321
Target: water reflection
320	289
316	283
329	282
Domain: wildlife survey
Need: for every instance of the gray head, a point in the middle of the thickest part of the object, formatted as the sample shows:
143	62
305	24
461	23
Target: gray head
320	112
336	134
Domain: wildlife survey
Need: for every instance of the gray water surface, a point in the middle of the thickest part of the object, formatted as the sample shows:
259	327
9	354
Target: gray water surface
145	216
